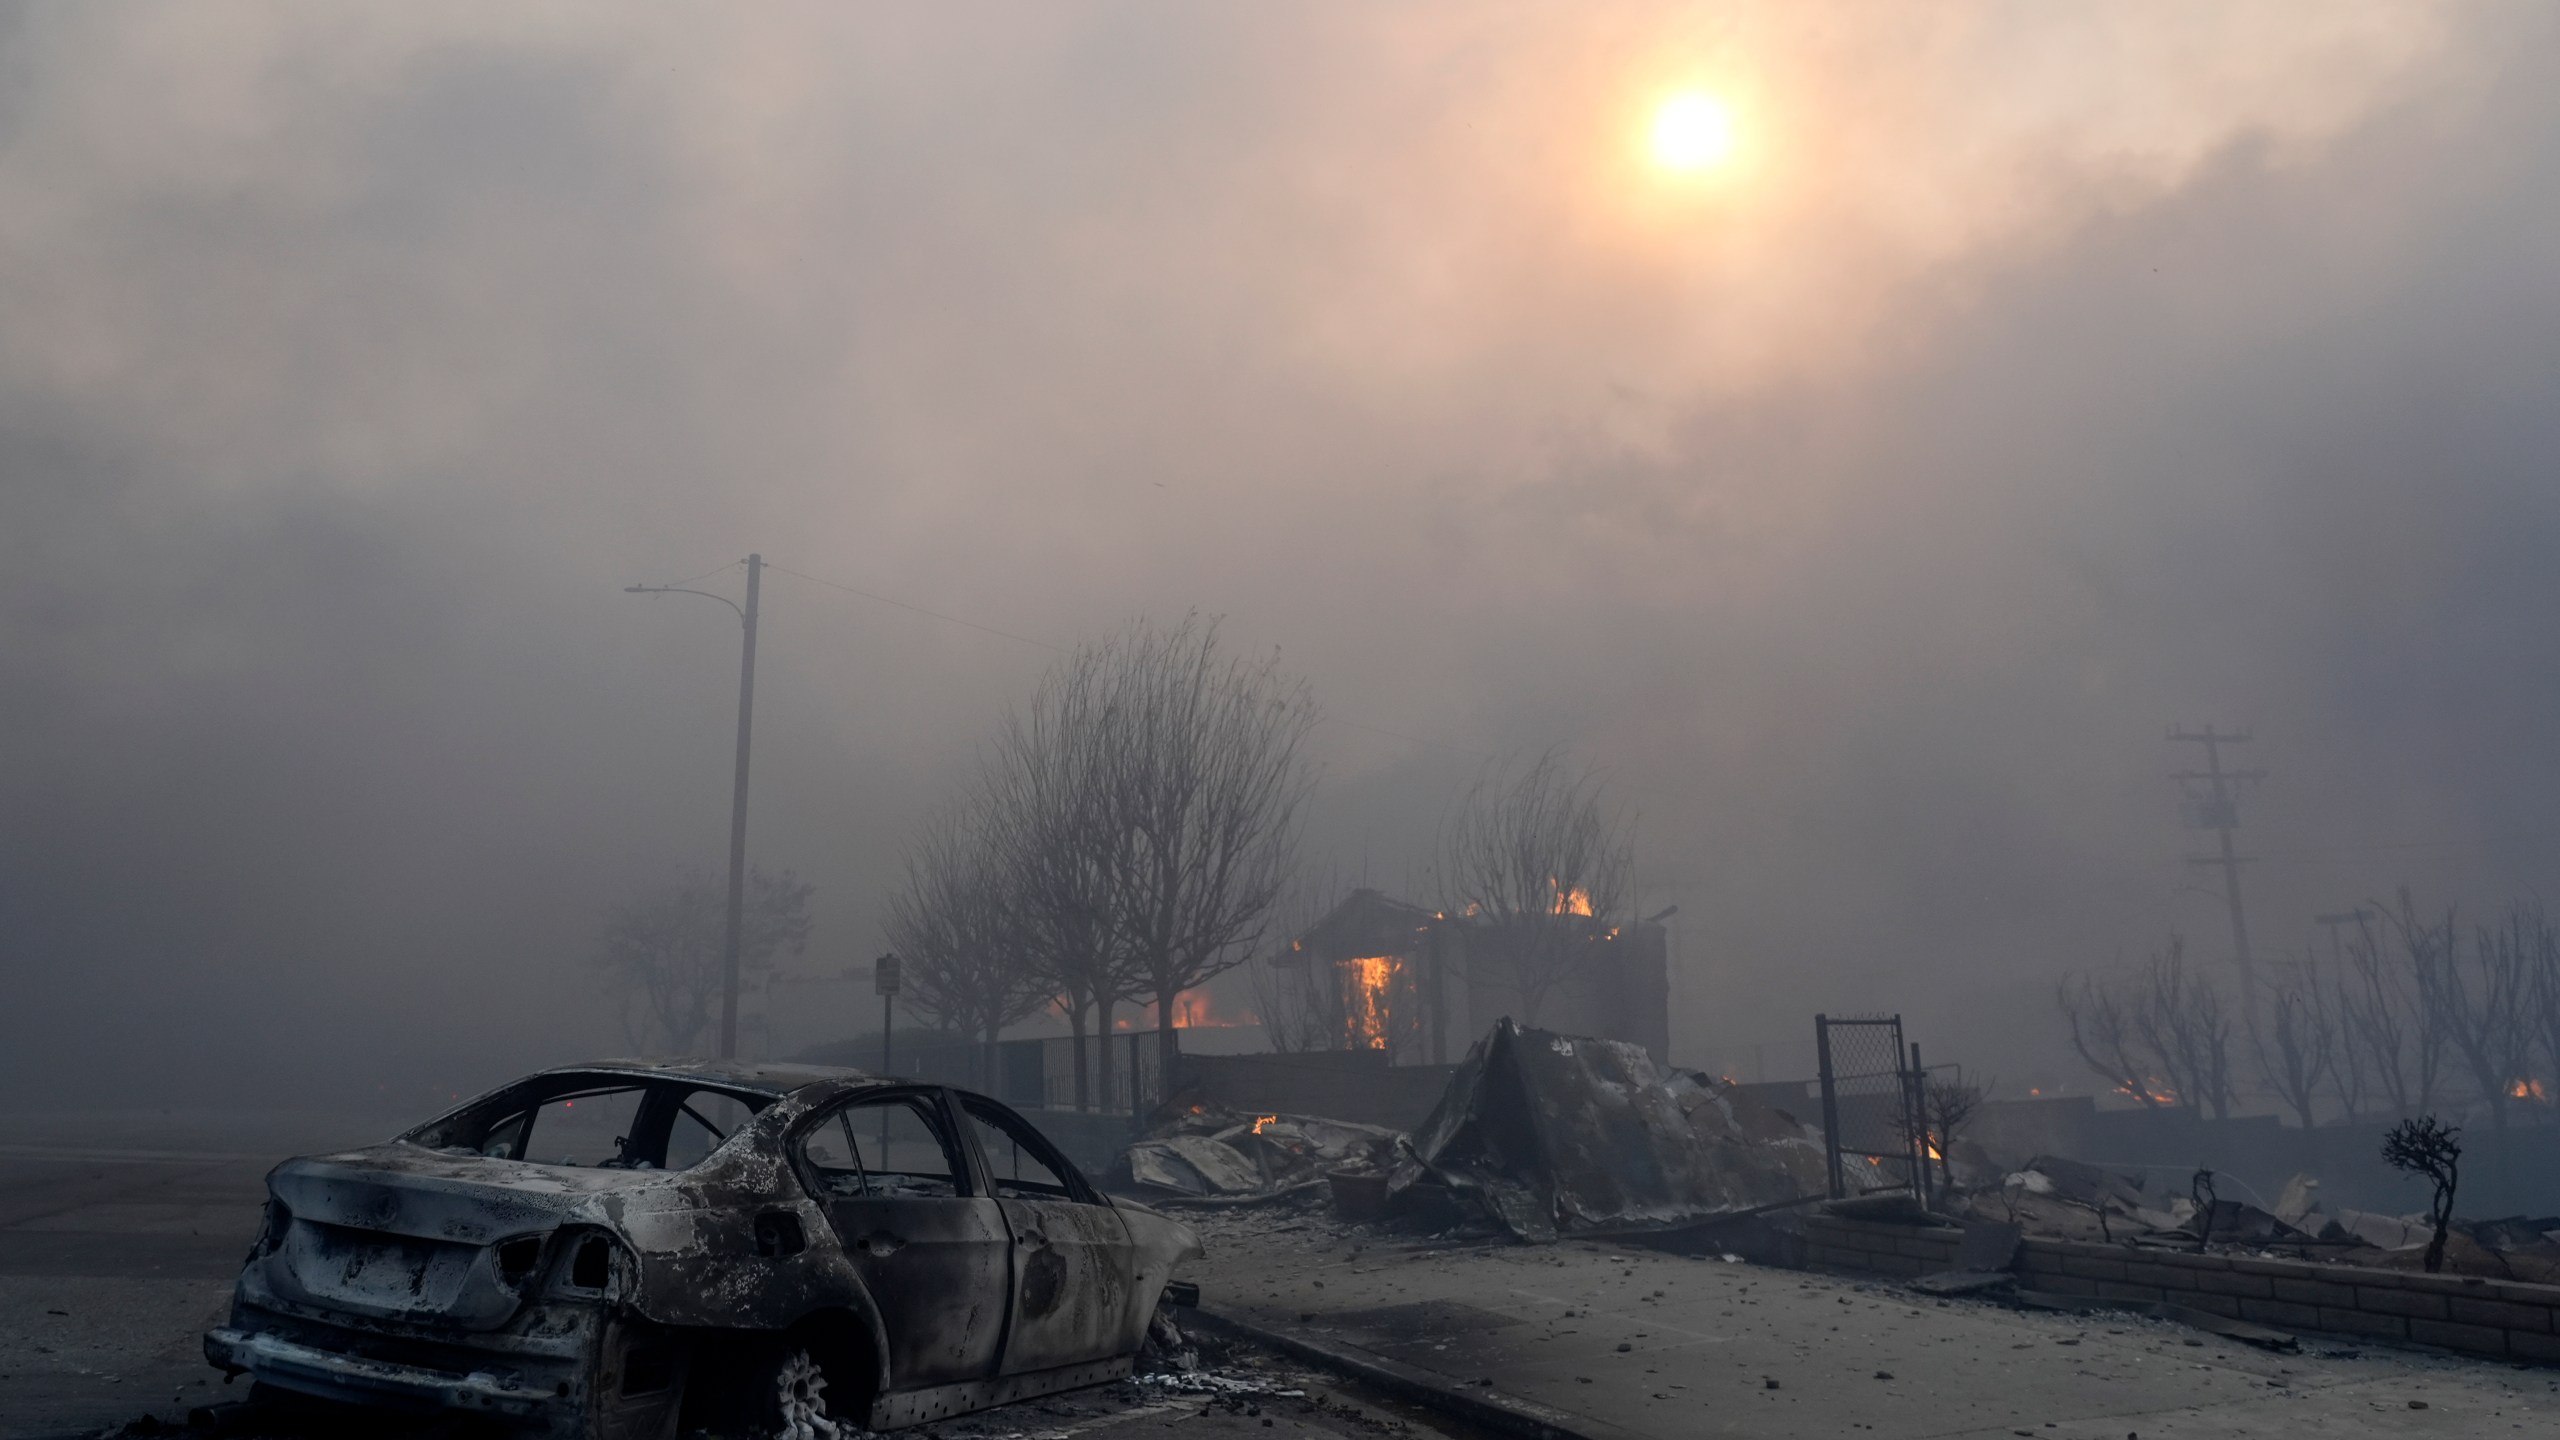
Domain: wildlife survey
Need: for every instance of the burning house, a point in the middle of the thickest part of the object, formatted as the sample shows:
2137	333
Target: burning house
1378	973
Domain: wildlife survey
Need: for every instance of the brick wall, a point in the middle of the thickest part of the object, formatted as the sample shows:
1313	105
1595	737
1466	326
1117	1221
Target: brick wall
2498	1318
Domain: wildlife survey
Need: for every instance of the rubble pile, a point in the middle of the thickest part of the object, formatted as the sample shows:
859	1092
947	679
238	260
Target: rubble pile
2059	1198
1212	1154
1547	1135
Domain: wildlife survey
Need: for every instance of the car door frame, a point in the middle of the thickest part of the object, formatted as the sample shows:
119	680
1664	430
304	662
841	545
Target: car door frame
1074	1261
901	1300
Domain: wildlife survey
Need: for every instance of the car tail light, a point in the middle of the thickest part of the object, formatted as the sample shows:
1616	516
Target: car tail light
279	1219
517	1257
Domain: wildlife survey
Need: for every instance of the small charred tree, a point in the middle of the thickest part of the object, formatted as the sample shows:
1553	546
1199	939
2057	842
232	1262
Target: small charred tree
2425	1146
2293	1040
967	966
661	950
1541	863
1946	1105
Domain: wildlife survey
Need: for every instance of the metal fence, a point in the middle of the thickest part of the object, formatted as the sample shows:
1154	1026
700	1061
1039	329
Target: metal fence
1041	1073
1871	1104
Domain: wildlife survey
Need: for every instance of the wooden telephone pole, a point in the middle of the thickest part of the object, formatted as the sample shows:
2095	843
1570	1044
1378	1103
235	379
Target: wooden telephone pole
2216	807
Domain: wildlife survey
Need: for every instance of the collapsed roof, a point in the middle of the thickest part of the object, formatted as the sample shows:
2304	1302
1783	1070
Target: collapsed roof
1553	1134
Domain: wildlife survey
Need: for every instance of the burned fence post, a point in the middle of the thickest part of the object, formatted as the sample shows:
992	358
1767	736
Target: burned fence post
1830	1105
1915	1124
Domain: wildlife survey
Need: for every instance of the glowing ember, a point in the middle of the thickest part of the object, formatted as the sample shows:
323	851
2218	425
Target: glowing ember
1368	1000
2530	1090
2162	1095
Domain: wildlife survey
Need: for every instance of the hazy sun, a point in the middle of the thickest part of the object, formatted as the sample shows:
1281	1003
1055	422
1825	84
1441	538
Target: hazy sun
1692	131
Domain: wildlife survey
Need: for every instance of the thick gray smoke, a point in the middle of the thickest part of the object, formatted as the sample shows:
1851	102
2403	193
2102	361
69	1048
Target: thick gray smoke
1869	517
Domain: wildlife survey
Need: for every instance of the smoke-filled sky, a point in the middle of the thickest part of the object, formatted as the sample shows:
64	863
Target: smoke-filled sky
2027	380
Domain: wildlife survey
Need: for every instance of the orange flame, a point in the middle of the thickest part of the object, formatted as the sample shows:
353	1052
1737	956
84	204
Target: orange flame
1366	1011
2162	1095
1261	1120
1193	1010
2530	1090
1576	901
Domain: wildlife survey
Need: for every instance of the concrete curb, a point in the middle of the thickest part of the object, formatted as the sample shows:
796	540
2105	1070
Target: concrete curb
1476	1406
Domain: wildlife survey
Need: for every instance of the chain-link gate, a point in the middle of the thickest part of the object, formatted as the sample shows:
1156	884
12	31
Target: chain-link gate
1871	1123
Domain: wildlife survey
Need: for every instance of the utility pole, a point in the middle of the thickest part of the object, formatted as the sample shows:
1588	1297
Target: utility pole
737	791
2217	809
884	978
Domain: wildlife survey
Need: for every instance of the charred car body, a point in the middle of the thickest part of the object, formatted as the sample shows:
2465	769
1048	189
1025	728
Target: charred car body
630	1247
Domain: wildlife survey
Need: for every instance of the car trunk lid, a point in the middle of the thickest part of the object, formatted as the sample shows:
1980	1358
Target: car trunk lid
402	1233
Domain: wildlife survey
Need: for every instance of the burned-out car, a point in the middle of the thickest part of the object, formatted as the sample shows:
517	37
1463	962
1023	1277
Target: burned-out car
644	1248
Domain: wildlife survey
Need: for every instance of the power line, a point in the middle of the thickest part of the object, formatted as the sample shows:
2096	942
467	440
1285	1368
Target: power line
705	575
873	595
2369	847
918	609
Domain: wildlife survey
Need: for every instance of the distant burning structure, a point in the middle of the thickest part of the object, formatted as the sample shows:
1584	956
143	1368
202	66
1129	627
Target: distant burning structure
1378	973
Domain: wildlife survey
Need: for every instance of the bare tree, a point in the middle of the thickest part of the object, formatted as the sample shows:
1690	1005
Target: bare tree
2182	1024
2350	1075
1541	863
967	966
2545	996
2162	1027
1044	797
2386	1013
2481	1002
661	950
2293	1040
2102	1035
1204	773
1147	801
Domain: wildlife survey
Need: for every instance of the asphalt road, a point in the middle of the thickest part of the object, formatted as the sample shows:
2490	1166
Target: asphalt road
1628	1343
112	1261
114	1258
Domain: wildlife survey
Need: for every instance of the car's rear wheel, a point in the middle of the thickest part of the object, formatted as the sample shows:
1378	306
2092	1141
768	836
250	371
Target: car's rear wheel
788	1388
796	1393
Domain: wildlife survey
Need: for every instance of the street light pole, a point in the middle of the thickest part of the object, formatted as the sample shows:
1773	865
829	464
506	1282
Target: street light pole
738	815
737	792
